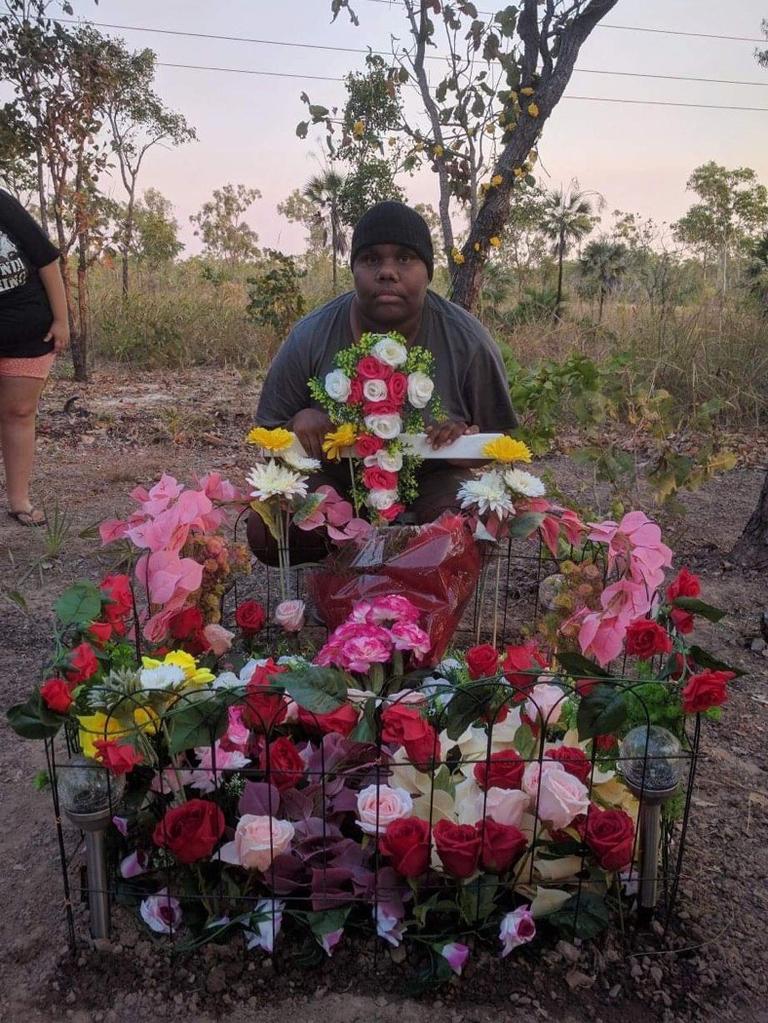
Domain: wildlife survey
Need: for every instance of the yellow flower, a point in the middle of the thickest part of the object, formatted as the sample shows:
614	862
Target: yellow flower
496	180
358	129
533	110
97	726
342	437
506	449
519	172
146	720
456	256
476	246
437	151
271	440
495	241
527	91
193	676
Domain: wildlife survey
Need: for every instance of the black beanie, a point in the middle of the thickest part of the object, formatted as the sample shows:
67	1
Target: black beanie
394	223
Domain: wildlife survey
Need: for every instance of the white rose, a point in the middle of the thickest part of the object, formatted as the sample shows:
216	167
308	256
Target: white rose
390	351
375	390
546	703
337	385
258	840
420	388
380	500
386	426
379	805
561	798
391	461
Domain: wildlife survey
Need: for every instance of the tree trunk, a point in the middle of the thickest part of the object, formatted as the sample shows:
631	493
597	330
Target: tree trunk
600	306
334	250
560	257
752	545
41	187
128	236
80	357
554	77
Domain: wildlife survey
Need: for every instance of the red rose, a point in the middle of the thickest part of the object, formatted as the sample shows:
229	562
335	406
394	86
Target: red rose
379	479
521	666
458	846
119	758
385	407
503	770
705	690
406	843
190	831
645	639
186	623
262	710
250	617
502	845
100	632
403	725
284	767
605	743
117	590
391	513
370	368
574	760
355	391
685	584
341	720
482	661
680	665
57	695
682	620
367	445
397	387
83	663
610	834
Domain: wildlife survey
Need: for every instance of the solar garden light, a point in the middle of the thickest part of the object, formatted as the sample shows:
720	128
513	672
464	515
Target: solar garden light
651	765
88	796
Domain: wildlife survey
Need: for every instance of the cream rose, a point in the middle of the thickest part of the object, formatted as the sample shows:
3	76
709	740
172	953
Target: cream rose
337	385
380	500
561	798
375	390
390	351
420	388
506	806
289	615
386	426
391	461
378	806
545	701
258	840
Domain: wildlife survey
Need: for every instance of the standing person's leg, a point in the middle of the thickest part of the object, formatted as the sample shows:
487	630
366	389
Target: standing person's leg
19	396
437	492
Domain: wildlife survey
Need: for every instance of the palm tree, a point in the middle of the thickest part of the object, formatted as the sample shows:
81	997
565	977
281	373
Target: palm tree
324	191
569	215
756	272
602	266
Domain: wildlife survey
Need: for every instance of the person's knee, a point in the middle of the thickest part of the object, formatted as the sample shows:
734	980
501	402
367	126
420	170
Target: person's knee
17	411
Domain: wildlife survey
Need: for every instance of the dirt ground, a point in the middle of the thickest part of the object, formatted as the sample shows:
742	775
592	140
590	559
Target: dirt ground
96	443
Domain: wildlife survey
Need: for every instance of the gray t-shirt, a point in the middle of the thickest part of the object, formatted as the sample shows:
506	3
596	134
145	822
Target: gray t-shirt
469	374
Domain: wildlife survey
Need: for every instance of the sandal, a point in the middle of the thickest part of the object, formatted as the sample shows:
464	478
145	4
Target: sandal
29	518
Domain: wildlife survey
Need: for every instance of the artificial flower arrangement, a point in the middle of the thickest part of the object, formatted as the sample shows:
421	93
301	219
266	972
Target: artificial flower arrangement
313	794
380	388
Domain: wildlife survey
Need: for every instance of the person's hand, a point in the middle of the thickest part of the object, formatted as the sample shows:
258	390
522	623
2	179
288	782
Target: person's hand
310	426
59	334
440	435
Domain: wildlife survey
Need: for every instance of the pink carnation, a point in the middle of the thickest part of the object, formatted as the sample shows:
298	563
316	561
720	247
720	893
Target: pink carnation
410	637
393	608
360	653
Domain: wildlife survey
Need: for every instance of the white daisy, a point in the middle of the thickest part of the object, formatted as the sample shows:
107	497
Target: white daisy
524	483
301	462
166	676
488	494
274	480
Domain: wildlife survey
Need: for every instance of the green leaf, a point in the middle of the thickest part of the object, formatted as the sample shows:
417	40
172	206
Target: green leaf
582	916
318	112
327	921
365	729
602	712
524	742
198	724
31	721
320	690
41	780
302	128
467	705
526	524
698	607
79	605
581	667
476	899
706	660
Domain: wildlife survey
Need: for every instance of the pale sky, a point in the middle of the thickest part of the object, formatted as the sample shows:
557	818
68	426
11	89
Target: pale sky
638	157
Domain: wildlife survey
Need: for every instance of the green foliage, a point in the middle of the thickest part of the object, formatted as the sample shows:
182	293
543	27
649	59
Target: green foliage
220	225
275	295
601	712
319	690
583	916
79	605
156	239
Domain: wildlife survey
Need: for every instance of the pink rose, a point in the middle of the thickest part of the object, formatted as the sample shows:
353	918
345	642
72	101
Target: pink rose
561	798
517	928
370	368
161	913
407	636
506	806
397	387
206	777
290	615
258	840
545	704
219	638
379	805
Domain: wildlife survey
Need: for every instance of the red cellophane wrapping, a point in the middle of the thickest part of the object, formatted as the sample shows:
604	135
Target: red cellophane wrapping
436	566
